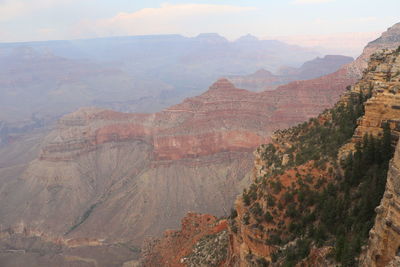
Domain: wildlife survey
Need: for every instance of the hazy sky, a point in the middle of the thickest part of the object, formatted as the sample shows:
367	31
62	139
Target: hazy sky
27	20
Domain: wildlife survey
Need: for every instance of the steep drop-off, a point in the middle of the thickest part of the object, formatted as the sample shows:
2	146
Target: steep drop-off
314	193
384	242
117	177
315	174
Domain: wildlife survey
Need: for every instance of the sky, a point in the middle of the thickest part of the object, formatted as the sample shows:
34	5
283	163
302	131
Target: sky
290	20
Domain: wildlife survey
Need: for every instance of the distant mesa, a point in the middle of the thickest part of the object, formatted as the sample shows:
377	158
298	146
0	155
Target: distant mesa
266	80
248	38
215	37
222	84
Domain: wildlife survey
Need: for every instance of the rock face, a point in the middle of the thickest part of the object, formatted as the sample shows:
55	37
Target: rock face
245	238
384	242
179	248
389	40
249	233
382	80
119	176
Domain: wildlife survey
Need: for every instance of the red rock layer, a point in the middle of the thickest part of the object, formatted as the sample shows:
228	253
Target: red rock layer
286	105
175	245
222	119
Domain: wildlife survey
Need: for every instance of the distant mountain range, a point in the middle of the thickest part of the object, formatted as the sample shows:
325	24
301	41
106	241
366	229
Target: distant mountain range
266	80
135	74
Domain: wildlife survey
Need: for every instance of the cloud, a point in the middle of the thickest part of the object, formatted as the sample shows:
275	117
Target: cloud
302	2
10	9
168	18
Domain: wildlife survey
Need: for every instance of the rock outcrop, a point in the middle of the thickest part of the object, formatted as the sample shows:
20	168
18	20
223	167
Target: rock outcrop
384	242
180	248
390	39
383	80
252	237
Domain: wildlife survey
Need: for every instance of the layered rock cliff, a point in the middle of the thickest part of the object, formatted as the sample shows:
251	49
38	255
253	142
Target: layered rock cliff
384	241
301	165
202	241
119	176
267	227
390	39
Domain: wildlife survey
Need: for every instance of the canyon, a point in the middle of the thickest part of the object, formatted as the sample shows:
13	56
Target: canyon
128	74
118	178
250	242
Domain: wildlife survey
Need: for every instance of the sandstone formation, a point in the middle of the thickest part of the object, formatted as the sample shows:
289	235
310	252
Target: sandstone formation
248	244
390	39
384	242
382	80
119	176
178	248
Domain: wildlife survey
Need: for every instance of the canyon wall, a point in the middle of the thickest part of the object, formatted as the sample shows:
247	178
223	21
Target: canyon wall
119	178
249	243
384	242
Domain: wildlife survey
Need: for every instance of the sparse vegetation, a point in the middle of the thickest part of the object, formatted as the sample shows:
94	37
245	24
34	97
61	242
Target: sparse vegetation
83	218
337	208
